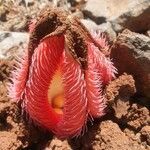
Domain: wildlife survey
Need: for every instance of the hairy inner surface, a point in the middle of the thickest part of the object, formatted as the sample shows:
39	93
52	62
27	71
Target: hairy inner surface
56	92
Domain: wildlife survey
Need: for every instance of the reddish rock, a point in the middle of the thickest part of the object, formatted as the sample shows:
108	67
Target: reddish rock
57	144
108	136
131	54
145	134
137	117
118	93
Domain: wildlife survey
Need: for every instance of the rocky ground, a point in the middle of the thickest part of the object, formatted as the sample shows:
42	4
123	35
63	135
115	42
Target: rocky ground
126	125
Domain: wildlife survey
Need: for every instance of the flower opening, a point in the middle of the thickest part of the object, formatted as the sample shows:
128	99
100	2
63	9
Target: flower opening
56	90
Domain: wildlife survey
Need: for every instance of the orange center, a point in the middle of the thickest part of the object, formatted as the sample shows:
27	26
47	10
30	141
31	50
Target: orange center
56	92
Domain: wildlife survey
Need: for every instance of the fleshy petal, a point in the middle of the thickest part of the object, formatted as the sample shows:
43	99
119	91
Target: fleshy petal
32	25
100	72
106	67
19	77
45	61
96	100
75	105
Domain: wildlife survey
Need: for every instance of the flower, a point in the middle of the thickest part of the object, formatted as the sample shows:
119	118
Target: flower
61	83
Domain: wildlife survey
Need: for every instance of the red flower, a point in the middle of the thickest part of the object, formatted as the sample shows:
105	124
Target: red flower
56	91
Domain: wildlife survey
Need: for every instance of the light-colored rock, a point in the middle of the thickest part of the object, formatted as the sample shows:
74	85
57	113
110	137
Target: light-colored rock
29	2
135	18
12	43
78	14
109	9
89	24
131	54
105	27
130	14
148	33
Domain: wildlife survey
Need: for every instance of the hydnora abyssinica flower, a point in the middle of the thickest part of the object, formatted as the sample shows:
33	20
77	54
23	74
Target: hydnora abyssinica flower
61	75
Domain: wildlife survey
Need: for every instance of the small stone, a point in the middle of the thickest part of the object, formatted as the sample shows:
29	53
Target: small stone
12	44
145	134
148	33
137	116
78	14
89	24
29	2
107	28
118	93
58	144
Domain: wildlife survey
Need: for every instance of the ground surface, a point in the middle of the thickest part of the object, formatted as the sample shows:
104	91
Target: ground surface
126	125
